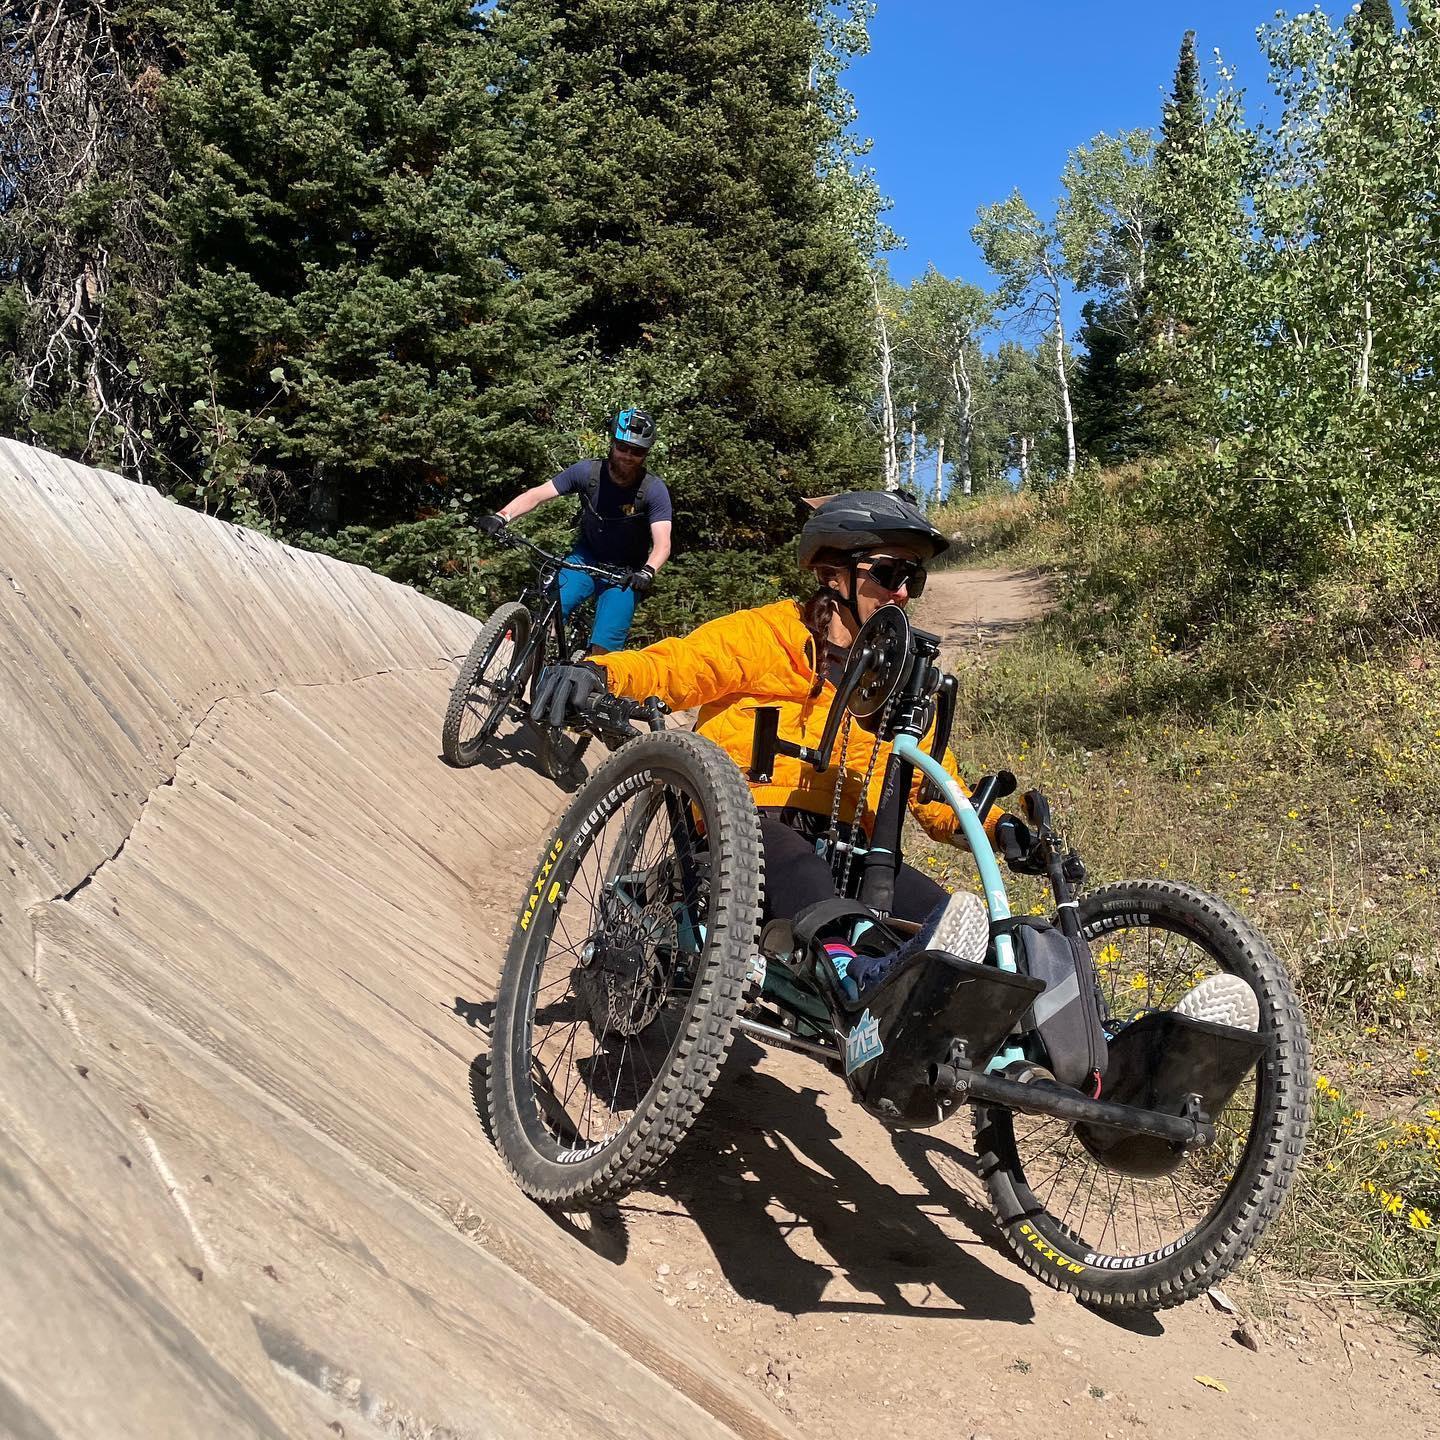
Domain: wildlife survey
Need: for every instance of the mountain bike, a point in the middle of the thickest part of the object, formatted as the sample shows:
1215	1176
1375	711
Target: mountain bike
1133	1150
497	677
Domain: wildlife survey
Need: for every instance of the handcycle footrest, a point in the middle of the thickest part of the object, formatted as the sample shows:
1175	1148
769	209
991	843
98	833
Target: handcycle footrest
908	1025
1163	1062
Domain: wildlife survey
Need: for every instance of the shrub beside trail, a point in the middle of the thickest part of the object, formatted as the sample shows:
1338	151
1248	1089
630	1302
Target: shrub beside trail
1278	744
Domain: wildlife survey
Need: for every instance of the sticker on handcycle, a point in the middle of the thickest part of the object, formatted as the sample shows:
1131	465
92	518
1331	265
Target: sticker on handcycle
863	1043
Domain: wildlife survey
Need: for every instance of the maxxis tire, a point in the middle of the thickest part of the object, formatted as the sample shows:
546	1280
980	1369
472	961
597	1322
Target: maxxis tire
508	618
1213	1248
686	1077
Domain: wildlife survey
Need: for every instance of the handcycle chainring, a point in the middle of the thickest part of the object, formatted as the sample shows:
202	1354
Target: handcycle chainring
887	634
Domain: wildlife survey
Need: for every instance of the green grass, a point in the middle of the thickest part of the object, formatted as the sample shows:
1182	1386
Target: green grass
1299	781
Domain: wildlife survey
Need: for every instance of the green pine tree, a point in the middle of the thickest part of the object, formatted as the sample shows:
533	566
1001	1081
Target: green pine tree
1184	116
1164	407
363	310
1375	15
712	256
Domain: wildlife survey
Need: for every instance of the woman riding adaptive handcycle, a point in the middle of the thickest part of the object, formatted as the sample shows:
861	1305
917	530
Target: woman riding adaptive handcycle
1137	1065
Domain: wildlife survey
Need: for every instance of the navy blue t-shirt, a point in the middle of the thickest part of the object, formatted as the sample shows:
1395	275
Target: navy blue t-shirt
614	521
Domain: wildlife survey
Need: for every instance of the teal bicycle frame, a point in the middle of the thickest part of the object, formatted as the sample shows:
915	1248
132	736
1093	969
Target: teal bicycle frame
908	748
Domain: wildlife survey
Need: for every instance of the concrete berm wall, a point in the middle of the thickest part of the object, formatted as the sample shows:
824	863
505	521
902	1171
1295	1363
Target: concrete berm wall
249	927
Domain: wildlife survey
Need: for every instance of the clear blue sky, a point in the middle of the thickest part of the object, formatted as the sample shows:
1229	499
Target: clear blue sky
965	100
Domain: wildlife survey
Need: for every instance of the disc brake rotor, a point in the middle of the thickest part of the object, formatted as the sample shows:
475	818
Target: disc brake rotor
624	977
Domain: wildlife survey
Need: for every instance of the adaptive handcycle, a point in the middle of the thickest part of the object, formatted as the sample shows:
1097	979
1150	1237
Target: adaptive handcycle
1133	1150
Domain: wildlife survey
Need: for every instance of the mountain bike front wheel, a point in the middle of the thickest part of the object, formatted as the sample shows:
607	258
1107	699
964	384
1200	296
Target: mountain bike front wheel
486	684
618	996
1127	1241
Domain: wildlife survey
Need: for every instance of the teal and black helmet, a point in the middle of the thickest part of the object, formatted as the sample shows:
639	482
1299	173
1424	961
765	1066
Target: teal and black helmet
633	427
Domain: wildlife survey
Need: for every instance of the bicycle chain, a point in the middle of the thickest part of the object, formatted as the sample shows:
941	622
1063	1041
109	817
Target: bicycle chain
880	730
832	835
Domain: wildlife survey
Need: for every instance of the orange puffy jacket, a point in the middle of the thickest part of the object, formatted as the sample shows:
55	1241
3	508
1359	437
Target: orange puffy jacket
729	668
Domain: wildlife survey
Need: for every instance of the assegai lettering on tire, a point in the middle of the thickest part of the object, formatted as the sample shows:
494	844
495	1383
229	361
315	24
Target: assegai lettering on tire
573	1157
1115	922
610	801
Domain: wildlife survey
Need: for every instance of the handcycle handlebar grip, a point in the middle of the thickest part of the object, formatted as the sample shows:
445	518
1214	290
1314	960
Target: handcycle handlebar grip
1037	810
605	707
989	789
763	748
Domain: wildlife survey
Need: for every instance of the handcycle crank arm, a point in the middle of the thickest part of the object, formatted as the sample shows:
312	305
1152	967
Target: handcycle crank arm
907	747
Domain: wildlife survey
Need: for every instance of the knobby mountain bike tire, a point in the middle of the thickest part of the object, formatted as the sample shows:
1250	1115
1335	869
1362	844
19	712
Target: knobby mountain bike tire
1126	1243
488	681
617	1001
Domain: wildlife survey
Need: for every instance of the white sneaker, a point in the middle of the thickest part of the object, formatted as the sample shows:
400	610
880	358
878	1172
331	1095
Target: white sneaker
1222	1000
963	929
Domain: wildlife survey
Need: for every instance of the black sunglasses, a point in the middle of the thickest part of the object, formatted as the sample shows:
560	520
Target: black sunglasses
895	574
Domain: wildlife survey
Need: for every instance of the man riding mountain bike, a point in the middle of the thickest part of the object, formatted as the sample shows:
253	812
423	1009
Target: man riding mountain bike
867	549
625	522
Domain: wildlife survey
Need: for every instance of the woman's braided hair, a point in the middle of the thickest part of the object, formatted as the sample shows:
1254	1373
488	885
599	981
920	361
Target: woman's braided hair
818	610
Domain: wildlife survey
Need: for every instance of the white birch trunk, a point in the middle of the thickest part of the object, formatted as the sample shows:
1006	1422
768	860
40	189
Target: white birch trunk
1024	460
1367	338
940	465
965	405
887	400
1065	410
914	428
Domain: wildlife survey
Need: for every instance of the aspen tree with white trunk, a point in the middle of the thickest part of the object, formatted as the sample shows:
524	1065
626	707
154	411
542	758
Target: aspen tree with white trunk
946	317
1026	254
887	298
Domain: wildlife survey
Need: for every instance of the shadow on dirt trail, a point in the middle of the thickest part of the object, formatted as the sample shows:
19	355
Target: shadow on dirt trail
761	1147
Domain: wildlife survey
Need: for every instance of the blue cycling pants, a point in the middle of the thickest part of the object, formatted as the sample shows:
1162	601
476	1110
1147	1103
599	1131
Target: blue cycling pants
614	605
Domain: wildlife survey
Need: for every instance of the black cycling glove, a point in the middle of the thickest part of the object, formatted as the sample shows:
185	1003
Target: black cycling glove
641	580
1014	840
492	524
562	688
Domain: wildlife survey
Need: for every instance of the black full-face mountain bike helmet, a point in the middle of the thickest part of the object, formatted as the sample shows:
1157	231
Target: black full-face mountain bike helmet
865	520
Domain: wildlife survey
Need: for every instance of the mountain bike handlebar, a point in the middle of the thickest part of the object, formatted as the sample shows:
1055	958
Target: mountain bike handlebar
610	716
619	578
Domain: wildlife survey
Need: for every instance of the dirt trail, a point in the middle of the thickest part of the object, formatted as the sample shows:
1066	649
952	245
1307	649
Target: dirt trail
855	1276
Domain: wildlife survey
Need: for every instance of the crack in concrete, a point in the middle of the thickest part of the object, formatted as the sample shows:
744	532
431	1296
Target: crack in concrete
179	754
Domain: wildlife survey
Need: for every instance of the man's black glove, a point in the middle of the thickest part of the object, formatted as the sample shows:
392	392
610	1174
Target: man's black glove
1014	840
493	525
562	688
641	580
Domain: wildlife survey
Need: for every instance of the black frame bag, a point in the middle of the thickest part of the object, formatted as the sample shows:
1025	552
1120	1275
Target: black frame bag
1065	1017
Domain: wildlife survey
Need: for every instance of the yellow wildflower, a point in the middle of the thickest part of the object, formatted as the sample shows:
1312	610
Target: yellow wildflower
1419	1219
